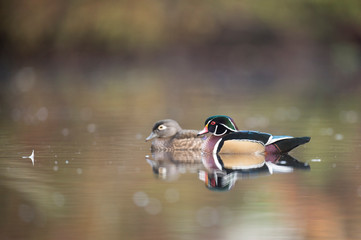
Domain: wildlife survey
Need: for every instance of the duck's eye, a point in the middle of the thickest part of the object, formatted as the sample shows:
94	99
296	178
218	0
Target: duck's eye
161	127
213	122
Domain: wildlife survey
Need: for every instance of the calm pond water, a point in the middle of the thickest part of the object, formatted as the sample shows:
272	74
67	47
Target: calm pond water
94	176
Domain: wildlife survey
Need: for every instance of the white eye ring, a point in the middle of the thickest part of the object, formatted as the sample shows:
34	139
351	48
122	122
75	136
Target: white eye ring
161	127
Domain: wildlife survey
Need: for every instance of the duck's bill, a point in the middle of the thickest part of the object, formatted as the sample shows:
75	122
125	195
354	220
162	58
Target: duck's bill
151	136
204	131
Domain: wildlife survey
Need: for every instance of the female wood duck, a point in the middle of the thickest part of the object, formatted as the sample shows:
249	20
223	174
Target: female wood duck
167	135
226	138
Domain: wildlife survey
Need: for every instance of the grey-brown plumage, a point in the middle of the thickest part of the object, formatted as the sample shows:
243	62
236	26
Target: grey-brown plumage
167	135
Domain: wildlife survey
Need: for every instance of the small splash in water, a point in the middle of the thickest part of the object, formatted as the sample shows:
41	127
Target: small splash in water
31	157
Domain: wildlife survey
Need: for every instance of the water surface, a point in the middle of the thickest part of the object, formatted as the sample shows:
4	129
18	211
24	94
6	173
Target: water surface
93	176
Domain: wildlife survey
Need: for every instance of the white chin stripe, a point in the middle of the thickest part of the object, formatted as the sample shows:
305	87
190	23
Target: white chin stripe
215	134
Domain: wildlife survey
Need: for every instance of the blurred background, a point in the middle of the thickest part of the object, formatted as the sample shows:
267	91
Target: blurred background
309	49
310	46
82	83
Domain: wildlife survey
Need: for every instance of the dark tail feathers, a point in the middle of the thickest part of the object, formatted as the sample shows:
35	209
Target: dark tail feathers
286	145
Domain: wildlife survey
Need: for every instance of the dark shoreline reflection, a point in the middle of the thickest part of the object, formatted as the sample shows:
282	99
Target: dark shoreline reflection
220	173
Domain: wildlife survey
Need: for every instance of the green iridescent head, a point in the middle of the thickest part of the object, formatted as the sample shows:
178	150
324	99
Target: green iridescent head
219	125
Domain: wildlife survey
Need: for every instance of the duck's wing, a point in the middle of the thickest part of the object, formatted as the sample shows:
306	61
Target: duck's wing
273	144
284	144
187	140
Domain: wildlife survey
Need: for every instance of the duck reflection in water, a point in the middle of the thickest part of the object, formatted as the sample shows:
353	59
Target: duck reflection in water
222	172
170	165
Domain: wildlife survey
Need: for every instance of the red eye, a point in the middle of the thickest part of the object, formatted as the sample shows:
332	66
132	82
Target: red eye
213	122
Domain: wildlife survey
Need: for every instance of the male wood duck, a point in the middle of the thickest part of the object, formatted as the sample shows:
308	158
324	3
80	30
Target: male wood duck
167	135
226	138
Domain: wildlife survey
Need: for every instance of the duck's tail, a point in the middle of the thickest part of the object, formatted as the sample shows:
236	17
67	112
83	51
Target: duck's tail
286	145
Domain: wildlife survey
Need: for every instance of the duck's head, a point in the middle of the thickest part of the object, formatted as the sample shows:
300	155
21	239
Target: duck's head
219	125
164	129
